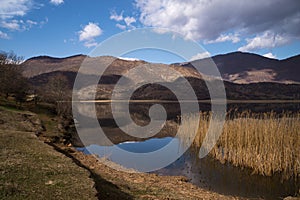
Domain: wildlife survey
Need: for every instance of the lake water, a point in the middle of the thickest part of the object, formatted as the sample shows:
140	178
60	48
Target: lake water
207	172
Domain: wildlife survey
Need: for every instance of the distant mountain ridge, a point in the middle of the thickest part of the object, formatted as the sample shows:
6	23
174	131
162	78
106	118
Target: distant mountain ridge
239	67
45	64
117	66
246	76
236	67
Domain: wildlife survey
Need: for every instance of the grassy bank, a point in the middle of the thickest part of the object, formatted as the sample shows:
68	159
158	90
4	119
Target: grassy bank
266	142
31	169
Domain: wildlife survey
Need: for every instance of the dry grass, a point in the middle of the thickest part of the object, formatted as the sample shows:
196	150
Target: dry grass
30	169
266	142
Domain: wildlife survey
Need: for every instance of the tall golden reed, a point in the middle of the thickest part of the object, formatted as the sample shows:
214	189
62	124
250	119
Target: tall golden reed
265	142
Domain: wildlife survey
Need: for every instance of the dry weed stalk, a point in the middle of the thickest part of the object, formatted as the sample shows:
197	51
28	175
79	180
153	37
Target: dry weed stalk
265	142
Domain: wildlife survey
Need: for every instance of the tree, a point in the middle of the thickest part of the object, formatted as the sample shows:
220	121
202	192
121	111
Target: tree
11	79
10	58
21	89
58	91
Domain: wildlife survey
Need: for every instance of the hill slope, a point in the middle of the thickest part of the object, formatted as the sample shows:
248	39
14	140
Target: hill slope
234	67
239	67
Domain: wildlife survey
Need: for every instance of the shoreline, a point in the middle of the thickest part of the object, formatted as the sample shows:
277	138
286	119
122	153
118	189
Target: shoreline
273	101
109	183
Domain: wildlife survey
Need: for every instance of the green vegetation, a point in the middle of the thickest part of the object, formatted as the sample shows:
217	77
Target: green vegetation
265	142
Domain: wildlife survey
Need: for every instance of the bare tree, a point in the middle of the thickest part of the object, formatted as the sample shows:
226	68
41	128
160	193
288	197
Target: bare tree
10	58
58	91
11	79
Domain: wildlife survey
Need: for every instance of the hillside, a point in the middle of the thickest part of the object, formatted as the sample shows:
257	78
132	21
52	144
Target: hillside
44	64
239	67
247	76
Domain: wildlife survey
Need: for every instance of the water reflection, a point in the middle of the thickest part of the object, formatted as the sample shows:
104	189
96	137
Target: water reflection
139	113
148	146
207	172
227	179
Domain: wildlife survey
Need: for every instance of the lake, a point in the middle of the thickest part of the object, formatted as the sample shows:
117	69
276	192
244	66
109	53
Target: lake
207	172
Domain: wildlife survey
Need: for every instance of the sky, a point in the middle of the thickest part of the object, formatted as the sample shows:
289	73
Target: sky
61	28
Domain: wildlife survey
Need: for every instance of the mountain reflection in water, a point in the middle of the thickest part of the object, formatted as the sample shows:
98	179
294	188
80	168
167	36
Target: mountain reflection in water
206	172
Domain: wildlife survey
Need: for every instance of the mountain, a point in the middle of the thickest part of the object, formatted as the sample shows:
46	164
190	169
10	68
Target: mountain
247	76
236	67
45	64
239	67
42	65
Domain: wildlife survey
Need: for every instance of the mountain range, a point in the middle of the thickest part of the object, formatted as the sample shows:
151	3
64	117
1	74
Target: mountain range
246	76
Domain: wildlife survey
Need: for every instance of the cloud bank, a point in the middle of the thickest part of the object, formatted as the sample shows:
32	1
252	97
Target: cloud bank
12	13
13	8
226	20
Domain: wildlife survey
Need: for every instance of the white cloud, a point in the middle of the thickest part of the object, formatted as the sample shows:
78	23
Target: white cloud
200	56
265	40
129	59
89	33
129	20
44	22
12	8
234	38
12	25
209	20
116	17
19	25
89	44
3	35
56	2
12	11
120	26
270	55
31	22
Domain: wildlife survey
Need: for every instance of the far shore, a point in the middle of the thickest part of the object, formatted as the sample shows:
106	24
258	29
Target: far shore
220	101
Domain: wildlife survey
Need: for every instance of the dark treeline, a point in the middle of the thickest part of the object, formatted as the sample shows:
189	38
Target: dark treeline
15	87
12	83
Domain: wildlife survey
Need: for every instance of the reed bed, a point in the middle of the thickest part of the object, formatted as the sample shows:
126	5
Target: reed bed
268	143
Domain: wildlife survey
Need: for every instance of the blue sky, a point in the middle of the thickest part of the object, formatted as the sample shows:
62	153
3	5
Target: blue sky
66	27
